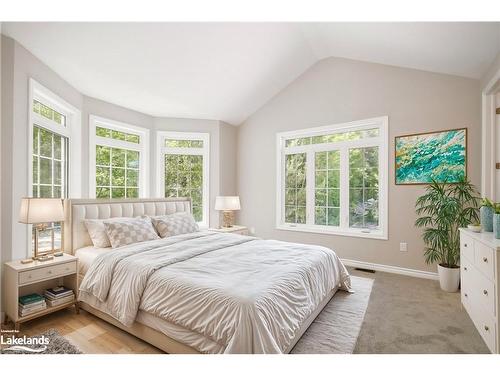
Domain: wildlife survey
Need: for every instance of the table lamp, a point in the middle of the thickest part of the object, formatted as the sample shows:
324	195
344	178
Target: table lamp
227	205
41	212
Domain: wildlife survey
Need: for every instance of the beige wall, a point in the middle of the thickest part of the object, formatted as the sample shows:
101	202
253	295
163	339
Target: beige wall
18	65
110	111
339	90
491	72
228	143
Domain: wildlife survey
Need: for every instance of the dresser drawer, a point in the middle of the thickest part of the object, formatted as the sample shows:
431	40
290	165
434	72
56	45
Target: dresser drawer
28	277
466	281
483	293
467	247
484	260
485	324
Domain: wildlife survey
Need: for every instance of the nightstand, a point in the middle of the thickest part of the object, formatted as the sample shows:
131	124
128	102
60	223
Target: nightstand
237	229
22	279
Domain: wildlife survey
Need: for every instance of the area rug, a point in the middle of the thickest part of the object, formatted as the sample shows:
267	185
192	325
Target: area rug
56	344
337	327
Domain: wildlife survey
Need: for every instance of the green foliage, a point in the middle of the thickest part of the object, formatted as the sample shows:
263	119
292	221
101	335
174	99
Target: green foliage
118	135
443	209
184	178
487	203
363	187
295	183
117	172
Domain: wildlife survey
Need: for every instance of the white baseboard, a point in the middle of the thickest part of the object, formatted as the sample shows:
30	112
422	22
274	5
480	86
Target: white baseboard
391	269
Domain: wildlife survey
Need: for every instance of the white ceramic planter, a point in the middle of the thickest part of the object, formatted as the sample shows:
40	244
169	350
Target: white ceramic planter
449	278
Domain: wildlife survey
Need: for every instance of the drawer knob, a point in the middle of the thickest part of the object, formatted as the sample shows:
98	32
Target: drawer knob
465	294
485	260
29	276
49	272
465	268
485	292
465	245
486	328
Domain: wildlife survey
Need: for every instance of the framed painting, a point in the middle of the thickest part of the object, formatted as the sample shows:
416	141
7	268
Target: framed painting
440	156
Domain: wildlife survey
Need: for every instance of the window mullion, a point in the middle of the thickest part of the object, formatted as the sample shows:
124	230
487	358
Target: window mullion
344	188
310	187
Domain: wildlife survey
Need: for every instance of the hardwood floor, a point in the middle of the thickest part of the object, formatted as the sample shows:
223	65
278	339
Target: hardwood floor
404	315
89	333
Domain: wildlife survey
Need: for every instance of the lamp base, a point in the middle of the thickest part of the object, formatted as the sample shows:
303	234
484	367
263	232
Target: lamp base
227	219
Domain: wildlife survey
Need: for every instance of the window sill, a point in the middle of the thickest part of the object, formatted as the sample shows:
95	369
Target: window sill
376	235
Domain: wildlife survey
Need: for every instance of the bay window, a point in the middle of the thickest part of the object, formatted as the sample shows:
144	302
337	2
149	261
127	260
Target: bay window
333	179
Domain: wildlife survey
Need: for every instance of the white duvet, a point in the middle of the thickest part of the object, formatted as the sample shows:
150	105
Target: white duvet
248	295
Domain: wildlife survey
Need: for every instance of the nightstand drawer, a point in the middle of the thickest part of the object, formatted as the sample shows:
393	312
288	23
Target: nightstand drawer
28	277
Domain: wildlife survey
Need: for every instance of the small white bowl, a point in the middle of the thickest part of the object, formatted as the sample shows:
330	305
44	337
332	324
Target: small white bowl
474	228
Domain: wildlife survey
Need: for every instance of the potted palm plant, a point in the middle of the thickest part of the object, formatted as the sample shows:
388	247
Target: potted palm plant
443	209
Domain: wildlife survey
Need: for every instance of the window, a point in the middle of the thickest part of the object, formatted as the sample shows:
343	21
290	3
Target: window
119	159
183	160
333	179
49	164
54	149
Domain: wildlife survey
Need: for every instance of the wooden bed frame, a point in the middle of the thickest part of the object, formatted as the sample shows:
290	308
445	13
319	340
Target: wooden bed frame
77	210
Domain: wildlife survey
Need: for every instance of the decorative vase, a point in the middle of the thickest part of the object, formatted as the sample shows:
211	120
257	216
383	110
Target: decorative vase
486	218
496	225
449	278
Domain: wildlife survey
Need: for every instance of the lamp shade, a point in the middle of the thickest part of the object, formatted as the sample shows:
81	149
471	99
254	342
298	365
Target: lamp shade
227	203
41	210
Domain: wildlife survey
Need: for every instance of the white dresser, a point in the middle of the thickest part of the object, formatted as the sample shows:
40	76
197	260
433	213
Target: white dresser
480	263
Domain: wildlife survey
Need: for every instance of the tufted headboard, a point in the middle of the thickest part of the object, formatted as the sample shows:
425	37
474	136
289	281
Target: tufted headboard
78	210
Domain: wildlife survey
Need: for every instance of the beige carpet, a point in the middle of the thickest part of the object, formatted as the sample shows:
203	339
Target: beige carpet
337	327
408	315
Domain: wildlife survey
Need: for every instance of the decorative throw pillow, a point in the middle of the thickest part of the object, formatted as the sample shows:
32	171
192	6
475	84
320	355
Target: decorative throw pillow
97	230
175	224
129	232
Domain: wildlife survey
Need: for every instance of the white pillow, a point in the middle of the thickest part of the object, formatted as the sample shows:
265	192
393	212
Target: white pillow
121	233
175	224
97	230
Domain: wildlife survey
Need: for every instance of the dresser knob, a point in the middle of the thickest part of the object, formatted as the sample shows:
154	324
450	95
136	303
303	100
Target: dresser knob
49	272
485	292
29	276
465	294
465	268
465	245
486	328
485	260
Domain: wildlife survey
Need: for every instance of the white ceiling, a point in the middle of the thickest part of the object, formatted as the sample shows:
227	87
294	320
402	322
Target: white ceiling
226	71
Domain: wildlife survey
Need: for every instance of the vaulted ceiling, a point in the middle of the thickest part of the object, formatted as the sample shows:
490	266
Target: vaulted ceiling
226	71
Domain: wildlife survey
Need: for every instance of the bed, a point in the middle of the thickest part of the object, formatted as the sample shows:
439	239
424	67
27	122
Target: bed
201	292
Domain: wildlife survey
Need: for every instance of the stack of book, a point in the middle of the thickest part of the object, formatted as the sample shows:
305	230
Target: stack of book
31	304
59	296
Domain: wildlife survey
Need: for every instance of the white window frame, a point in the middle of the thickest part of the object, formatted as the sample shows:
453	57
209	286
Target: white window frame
142	147
71	130
162	150
382	141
